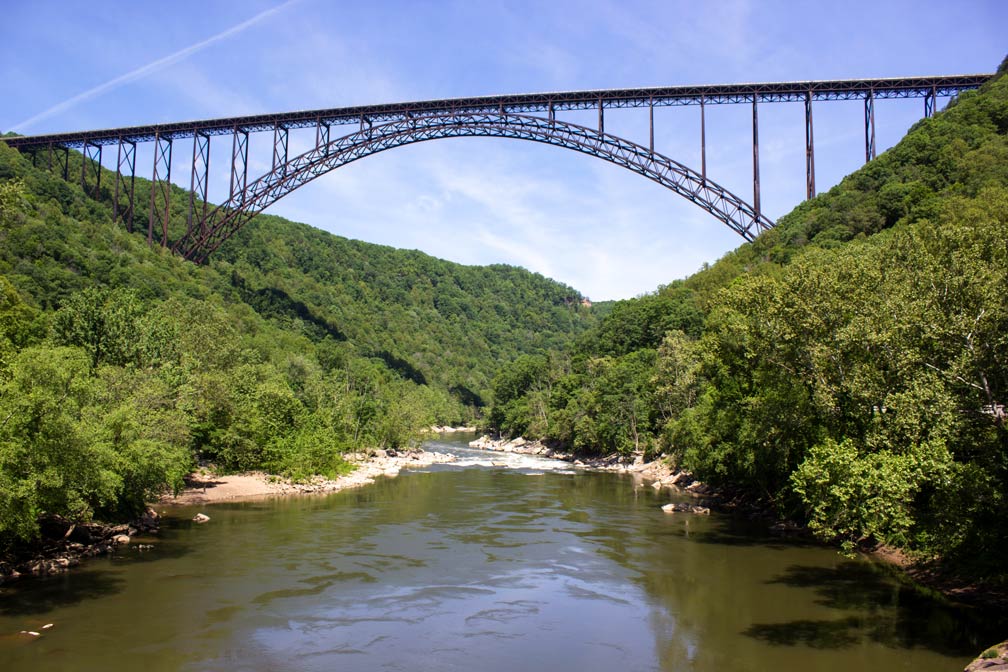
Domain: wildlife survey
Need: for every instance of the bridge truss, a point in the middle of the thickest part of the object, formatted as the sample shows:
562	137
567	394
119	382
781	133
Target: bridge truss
382	127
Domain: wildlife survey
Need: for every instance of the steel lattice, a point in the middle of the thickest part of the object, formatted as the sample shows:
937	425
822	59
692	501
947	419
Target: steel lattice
230	216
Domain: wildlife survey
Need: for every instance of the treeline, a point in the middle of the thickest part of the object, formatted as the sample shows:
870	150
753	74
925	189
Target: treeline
122	366
849	368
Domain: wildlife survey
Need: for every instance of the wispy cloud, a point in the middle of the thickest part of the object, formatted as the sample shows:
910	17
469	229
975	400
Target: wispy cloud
152	67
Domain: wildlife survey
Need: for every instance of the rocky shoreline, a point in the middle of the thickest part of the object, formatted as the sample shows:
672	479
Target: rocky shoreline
64	544
206	487
659	473
994	659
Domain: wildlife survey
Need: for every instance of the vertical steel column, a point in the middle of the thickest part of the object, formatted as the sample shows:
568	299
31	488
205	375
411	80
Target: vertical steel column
755	158
199	179
280	147
239	165
160	188
809	149
322	134
127	157
91	153
552	113
703	137
66	164
34	154
50	153
869	125
601	118
651	124
930	102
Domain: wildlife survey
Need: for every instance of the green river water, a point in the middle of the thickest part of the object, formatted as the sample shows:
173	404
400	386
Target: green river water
477	567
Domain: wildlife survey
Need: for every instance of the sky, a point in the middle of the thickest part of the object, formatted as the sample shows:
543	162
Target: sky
599	228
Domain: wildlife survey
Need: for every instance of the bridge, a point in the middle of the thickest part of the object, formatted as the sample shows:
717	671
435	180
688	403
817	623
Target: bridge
377	128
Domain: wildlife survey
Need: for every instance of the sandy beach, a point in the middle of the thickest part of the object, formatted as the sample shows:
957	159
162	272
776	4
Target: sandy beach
206	487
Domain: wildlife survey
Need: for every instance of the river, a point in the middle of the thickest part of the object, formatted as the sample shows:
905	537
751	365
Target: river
479	567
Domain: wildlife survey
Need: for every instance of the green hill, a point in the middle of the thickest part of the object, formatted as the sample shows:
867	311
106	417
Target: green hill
121	365
849	367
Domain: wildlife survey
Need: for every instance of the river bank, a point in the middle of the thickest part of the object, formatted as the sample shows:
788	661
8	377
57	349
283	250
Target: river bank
206	487
63	545
660	474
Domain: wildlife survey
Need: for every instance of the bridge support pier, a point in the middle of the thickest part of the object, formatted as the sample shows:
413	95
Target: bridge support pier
91	156
703	137
239	164
280	147
809	150
931	102
198	180
160	189
755	158
126	157
651	125
322	134
869	126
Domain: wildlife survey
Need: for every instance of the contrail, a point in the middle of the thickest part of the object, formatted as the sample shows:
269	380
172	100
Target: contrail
145	70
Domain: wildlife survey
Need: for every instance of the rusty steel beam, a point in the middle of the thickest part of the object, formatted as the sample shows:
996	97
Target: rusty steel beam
755	158
160	190
703	140
869	126
239	163
810	191
126	157
229	217
931	103
199	180
91	157
280	138
712	94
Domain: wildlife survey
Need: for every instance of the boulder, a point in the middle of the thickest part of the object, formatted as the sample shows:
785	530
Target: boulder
201	518
121	539
686	507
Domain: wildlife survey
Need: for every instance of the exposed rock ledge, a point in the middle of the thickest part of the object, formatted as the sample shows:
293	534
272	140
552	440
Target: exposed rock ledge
63	544
994	659
659	472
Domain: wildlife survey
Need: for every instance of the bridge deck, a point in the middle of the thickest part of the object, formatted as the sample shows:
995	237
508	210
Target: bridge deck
711	94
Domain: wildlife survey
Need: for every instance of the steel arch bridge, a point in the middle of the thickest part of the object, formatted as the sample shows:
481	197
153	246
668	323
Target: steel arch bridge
230	216
386	126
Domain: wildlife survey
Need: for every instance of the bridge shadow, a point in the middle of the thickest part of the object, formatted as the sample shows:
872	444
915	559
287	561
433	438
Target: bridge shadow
879	609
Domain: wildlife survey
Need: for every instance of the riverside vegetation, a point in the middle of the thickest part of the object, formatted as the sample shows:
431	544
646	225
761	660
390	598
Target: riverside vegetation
122	366
848	369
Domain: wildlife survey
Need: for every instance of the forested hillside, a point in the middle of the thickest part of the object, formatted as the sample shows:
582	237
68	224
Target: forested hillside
850	367
122	365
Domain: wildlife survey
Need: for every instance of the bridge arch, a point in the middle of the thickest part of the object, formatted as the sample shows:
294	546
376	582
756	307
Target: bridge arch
230	216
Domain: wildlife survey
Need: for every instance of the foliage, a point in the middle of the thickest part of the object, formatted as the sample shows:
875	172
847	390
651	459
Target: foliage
122	366
849	367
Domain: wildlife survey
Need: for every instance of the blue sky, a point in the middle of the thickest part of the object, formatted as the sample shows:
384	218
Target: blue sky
603	230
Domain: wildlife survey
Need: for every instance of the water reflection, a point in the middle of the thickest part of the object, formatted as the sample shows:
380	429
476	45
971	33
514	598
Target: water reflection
484	568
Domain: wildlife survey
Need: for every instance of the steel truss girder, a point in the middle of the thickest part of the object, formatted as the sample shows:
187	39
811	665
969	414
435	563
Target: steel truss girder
708	94
160	189
126	157
229	217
